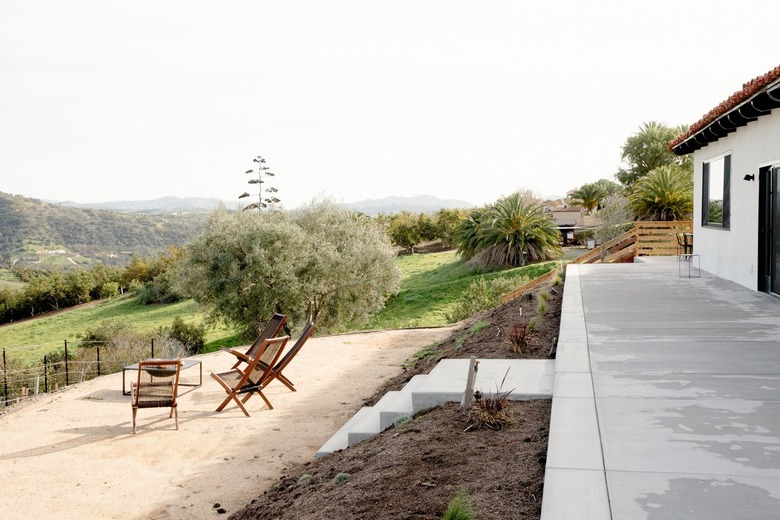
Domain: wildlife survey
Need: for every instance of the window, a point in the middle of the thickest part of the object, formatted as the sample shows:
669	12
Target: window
716	197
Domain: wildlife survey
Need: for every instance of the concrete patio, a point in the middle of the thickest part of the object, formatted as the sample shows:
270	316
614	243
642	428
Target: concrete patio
667	398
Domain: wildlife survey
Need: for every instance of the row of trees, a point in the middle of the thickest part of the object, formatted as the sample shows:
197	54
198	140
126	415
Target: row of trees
52	290
408	230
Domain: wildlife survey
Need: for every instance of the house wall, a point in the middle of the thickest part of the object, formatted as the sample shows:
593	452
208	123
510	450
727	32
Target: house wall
733	253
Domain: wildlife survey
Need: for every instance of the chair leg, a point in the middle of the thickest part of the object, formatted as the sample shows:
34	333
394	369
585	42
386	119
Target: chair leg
234	397
135	411
286	382
261	394
240	404
175	411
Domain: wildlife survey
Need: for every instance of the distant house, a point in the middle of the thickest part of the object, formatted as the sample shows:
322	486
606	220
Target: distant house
736	154
568	219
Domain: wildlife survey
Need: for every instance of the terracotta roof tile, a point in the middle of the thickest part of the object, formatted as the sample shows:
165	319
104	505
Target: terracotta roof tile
749	89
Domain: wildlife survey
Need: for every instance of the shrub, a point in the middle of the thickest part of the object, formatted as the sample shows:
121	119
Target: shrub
492	411
120	345
480	295
109	289
192	336
341	478
106	331
401	421
459	508
478	326
520	334
428	353
159	290
541	308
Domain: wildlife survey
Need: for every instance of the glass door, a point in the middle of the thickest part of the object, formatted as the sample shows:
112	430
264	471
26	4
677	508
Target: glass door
773	235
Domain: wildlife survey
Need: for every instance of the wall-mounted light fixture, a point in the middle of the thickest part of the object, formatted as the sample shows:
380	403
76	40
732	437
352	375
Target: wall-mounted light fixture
750	177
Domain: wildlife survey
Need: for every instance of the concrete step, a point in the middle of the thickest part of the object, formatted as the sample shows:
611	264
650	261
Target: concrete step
339	440
525	378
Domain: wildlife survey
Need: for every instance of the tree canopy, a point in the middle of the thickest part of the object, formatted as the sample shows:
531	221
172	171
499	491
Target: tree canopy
589	196
320	261
511	232
666	193
648	149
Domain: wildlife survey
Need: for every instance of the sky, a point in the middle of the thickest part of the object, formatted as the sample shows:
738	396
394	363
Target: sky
114	100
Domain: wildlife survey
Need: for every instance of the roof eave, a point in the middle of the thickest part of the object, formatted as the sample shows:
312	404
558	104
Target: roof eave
759	104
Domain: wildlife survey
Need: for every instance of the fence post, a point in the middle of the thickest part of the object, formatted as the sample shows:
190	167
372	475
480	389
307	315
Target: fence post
98	359
67	382
5	379
46	374
152	348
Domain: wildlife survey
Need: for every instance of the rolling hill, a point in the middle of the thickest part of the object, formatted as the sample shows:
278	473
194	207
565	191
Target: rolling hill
34	231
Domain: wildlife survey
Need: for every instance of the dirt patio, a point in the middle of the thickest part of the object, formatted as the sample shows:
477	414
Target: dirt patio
72	454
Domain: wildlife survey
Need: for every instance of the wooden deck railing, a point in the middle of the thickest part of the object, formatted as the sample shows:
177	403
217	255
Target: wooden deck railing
644	239
533	284
659	238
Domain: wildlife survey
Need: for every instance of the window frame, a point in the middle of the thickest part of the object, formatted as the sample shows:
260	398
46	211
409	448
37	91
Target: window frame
705	192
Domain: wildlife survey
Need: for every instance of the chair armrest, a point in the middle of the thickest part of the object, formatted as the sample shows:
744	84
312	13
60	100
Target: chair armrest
239	355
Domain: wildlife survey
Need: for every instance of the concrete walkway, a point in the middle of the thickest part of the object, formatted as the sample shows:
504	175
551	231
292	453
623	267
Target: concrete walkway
667	398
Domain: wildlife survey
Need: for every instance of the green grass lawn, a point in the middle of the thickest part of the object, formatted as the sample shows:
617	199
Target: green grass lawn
431	285
32	339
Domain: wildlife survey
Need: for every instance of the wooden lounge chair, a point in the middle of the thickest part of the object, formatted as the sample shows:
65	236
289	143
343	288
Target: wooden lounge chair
276	371
251	379
156	386
271	329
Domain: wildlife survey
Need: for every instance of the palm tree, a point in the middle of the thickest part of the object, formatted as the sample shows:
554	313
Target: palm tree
666	193
589	196
465	236
512	232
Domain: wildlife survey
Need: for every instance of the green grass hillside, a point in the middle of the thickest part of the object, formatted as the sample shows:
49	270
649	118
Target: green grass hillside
431	285
34	232
32	339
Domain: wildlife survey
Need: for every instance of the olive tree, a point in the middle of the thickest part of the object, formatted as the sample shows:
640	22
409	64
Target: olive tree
616	218
320	262
242	268
348	269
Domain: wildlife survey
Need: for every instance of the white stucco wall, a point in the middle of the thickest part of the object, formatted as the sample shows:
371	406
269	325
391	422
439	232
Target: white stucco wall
733	253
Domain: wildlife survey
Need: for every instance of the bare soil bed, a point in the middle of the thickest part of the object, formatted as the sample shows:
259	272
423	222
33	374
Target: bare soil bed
413	470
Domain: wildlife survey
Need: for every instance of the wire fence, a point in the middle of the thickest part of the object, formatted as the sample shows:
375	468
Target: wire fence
76	362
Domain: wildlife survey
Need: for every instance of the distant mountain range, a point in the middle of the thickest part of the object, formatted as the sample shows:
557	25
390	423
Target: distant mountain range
418	204
167	205
161	205
172	205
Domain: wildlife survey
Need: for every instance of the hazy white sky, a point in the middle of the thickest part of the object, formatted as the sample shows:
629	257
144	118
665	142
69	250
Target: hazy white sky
108	100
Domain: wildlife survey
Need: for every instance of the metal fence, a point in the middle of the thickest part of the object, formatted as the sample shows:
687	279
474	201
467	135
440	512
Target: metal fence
75	363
